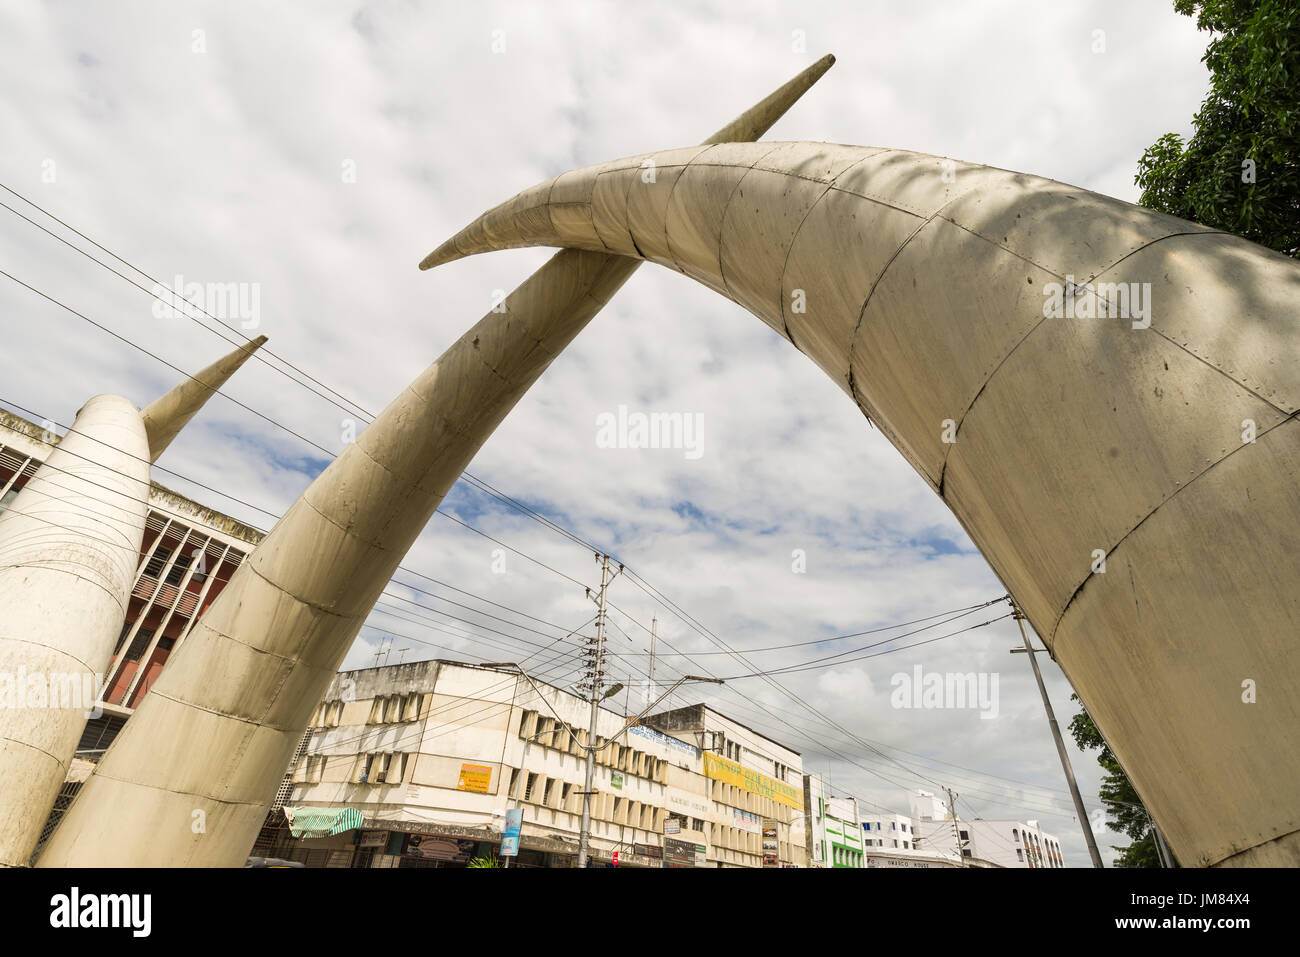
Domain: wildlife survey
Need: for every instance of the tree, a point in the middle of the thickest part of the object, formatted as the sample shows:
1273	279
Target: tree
1128	815
1240	170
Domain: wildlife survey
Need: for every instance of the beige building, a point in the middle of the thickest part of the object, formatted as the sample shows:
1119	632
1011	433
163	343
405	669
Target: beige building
433	753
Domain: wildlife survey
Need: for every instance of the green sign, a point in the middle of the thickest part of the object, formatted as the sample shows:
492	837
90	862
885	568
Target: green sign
616	779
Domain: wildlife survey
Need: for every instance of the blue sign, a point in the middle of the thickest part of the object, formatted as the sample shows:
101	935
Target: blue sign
510	836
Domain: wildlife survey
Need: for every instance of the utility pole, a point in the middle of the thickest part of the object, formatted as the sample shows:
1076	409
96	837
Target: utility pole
1056	735
597	663
1162	849
654	633
956	827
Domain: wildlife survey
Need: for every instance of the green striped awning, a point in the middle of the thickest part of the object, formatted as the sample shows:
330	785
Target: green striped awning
321	821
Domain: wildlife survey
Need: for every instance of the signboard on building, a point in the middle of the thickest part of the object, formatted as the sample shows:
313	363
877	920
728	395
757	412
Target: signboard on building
665	742
771	844
686	803
510	833
372	839
475	777
672	826
648	850
746	821
438	848
729	772
616	780
684	854
678	853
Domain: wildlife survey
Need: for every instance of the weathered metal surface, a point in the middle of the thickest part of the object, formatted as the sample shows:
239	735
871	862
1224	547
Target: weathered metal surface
69	547
165	417
1149	422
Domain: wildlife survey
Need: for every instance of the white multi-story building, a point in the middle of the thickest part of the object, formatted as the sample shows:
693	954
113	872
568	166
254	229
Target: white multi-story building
888	833
416	765
1000	843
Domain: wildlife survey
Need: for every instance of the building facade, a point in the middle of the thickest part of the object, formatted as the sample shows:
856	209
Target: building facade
434	753
832	823
999	843
755	785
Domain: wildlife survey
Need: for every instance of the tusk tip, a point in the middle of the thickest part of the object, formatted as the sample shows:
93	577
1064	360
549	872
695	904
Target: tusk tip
445	253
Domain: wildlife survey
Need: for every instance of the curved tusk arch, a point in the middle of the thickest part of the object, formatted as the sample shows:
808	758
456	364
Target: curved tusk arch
1096	390
211	739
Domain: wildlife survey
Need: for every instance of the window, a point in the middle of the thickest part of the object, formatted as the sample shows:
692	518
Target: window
514	781
141	642
310	769
176	572
697	824
1020	855
1015	834
9	496
528	788
153	568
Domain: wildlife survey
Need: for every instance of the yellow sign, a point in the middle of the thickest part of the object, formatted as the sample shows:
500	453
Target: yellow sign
729	772
475	777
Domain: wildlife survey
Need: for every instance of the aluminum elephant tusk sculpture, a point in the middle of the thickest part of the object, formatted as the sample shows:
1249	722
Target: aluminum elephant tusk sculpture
1106	398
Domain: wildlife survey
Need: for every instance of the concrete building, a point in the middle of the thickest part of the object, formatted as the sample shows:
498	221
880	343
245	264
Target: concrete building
755	784
832	825
1002	843
188	554
889	832
433	753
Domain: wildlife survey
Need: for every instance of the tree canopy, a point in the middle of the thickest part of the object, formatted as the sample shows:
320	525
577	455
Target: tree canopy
1240	169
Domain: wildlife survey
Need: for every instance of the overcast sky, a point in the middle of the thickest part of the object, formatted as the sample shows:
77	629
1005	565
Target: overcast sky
317	151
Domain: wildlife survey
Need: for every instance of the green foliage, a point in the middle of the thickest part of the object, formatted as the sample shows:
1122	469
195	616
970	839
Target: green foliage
1127	815
490	861
1248	128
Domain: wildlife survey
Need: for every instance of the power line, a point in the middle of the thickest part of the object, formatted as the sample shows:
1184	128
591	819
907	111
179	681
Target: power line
482	486
823	663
